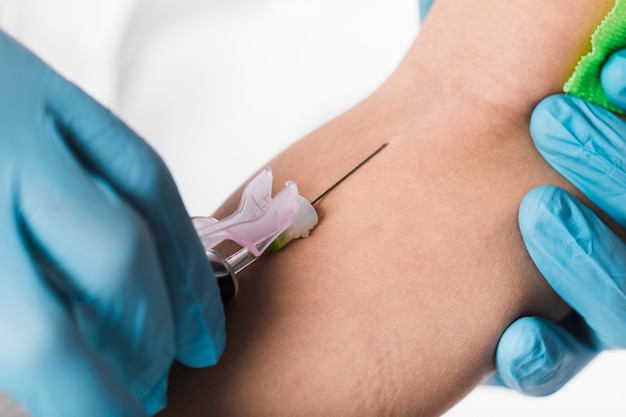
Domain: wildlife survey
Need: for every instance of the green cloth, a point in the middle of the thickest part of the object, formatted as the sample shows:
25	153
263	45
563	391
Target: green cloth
609	37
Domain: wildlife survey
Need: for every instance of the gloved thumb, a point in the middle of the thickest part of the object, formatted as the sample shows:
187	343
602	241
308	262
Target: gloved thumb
537	357
613	79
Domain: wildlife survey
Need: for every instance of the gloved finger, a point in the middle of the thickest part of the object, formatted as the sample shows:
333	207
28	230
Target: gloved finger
112	279
537	357
580	257
44	362
117	154
564	359
613	79
587	145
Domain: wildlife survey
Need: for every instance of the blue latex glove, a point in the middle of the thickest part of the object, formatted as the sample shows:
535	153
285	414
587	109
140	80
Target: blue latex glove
424	7
103	280
581	258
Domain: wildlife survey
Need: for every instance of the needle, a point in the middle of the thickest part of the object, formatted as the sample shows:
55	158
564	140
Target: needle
363	162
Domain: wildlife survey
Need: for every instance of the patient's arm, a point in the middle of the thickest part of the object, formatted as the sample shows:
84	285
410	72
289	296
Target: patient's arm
395	304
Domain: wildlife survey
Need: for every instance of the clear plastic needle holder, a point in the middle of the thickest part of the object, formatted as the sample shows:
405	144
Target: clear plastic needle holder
260	222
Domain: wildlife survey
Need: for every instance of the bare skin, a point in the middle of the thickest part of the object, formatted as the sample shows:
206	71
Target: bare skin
394	305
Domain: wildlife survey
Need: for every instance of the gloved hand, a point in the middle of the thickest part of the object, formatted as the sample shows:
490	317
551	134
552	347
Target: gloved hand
103	281
581	258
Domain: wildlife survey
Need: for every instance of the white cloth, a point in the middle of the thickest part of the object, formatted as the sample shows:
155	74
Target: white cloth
221	90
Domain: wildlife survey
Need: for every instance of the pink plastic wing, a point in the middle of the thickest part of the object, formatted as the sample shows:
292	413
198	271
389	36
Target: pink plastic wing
258	220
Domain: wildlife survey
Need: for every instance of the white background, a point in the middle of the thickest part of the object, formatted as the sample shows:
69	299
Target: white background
220	86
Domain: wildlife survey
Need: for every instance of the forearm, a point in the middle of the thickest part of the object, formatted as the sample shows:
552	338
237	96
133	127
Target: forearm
502	55
396	302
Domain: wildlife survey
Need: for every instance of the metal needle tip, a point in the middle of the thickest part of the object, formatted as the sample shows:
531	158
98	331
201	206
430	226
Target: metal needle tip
340	180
